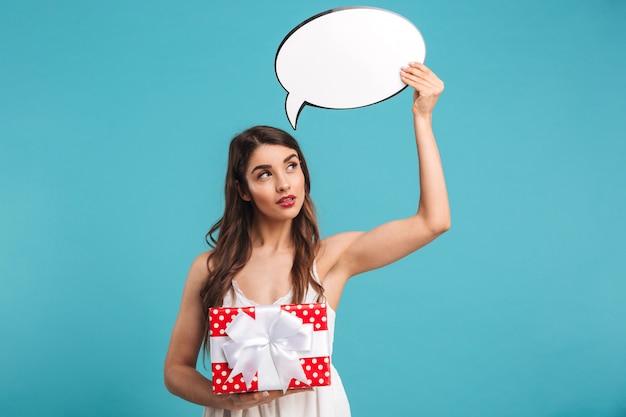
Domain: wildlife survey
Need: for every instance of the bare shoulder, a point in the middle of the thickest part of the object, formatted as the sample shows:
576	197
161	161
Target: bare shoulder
199	270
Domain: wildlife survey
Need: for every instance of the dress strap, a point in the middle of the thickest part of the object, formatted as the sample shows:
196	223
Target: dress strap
312	296
314	270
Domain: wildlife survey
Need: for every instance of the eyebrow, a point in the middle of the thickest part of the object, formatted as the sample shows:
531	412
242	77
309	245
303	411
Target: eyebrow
269	166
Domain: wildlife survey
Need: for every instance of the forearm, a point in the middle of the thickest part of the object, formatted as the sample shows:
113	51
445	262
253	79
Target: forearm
434	206
189	384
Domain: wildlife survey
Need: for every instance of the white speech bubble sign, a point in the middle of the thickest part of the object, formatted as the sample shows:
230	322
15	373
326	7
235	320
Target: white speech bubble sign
346	58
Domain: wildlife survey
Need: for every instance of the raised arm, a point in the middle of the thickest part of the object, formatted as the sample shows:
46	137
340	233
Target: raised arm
349	254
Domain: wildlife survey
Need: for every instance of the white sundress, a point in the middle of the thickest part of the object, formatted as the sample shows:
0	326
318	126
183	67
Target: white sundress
328	401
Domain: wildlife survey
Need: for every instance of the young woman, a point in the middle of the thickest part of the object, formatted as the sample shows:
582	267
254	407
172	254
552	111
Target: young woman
268	252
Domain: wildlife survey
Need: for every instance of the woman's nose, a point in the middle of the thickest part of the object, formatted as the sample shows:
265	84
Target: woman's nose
282	186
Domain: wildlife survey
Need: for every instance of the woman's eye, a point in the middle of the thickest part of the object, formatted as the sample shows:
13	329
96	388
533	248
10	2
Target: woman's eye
292	166
264	174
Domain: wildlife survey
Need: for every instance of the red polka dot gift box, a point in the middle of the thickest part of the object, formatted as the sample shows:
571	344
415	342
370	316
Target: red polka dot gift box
277	347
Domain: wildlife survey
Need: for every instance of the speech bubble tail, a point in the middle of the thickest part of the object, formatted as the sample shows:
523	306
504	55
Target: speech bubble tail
293	107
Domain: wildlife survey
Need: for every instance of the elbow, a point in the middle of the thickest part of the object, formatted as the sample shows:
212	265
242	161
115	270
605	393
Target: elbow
435	220
445	225
169	379
439	226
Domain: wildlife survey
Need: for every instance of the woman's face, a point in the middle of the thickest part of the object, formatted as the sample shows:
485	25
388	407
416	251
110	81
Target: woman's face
276	185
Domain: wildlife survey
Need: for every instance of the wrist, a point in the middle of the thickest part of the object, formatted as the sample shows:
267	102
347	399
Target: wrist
227	402
422	118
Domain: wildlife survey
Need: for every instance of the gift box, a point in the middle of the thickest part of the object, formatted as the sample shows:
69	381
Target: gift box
261	348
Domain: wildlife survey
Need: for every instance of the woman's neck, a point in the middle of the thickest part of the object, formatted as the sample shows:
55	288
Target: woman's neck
273	237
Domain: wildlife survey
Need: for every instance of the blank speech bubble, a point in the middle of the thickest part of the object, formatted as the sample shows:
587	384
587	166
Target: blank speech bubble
346	58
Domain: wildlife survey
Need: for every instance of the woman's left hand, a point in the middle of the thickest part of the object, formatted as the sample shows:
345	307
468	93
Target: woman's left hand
428	87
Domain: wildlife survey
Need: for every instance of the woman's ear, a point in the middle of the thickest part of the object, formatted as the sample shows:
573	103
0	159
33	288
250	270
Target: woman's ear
244	196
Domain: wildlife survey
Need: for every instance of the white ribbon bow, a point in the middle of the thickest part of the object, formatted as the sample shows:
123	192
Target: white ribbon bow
274	337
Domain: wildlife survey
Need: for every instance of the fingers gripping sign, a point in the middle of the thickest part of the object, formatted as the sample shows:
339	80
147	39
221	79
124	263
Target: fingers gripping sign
428	87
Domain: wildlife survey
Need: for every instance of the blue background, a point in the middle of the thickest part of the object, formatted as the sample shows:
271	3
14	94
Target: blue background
114	123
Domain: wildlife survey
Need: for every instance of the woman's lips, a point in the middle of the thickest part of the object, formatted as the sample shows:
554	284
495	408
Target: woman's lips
287	201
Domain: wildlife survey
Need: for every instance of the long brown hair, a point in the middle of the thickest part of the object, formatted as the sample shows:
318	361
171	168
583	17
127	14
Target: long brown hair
232	247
